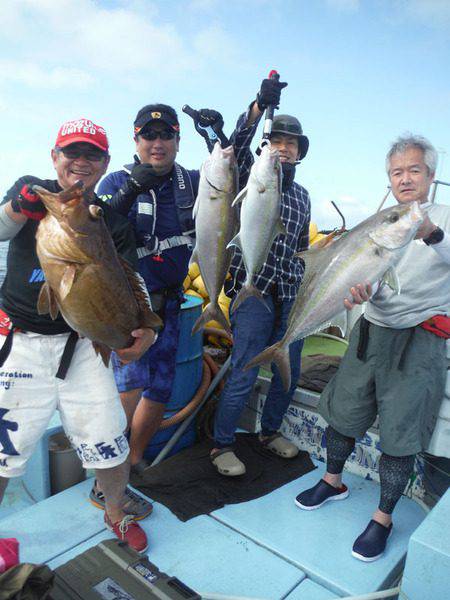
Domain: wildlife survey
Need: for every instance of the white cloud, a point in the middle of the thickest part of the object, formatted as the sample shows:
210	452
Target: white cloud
125	41
33	75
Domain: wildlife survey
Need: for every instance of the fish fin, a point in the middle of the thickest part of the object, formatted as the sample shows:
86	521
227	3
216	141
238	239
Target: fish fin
340	321
236	241
195	209
391	279
328	239
259	185
278	354
194	257
47	303
240	197
67	281
148	318
212	312
104	352
43	303
246	292
315	260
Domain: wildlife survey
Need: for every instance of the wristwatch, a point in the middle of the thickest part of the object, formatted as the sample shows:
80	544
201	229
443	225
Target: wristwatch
435	237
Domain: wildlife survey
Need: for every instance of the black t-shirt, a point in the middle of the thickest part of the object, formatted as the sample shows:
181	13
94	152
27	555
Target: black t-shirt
24	276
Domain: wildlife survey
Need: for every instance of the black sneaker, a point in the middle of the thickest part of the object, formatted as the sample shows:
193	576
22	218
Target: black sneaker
319	494
371	544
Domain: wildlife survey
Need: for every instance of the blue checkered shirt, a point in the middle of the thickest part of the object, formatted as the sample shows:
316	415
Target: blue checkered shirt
282	273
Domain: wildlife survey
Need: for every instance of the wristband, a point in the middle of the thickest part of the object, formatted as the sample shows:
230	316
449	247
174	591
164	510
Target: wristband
435	237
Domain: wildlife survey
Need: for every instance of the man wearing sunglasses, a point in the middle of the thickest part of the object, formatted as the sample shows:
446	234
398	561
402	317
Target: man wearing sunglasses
44	365
157	195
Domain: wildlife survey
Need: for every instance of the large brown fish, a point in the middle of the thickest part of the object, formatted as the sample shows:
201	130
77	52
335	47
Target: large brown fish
99	295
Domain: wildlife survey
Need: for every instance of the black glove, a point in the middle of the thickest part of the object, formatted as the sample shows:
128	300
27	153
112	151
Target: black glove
29	204
288	175
270	93
207	117
143	178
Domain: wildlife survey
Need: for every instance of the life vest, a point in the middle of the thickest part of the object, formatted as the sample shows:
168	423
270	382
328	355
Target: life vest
146	208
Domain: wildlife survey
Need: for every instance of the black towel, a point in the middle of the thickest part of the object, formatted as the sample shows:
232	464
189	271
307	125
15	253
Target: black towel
189	485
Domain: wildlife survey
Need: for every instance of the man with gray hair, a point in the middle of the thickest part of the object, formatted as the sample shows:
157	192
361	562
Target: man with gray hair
395	365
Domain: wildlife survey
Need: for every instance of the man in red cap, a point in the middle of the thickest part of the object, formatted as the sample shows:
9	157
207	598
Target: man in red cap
36	378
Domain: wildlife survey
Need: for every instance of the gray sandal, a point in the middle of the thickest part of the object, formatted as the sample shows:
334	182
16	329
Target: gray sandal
279	445
227	463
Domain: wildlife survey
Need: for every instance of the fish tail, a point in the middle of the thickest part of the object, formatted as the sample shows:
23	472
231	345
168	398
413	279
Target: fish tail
278	354
211	313
104	352
246	292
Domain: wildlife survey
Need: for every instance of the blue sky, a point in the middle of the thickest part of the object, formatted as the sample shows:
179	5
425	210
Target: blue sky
360	72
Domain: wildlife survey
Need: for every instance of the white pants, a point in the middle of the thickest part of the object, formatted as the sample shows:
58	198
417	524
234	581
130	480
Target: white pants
87	399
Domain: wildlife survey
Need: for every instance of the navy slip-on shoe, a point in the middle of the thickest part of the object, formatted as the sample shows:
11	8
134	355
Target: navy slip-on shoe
371	544
321	493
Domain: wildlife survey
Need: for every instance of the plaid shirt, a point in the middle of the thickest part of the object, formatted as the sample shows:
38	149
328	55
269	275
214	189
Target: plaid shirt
282	273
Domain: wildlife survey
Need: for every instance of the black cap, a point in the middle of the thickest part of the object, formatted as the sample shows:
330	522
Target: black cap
156	112
288	125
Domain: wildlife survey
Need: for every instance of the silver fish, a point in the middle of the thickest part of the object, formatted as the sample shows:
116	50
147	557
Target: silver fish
260	218
366	253
215	225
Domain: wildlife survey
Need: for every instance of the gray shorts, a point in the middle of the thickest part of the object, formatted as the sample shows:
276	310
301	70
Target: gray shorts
401	378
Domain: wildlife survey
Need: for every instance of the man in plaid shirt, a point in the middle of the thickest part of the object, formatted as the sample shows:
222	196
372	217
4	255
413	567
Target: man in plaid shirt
254	327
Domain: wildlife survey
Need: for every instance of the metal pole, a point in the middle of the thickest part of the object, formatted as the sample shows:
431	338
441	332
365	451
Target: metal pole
385	198
185	424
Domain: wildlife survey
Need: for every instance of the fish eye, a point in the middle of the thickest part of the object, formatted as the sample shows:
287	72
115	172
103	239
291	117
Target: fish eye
95	211
393	218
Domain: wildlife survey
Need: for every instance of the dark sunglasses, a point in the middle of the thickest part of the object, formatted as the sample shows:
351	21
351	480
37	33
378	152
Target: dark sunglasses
152	134
90	154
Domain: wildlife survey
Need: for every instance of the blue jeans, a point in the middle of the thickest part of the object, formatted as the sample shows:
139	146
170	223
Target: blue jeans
255	328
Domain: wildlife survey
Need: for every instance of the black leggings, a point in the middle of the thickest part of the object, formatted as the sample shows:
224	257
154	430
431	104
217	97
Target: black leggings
394	471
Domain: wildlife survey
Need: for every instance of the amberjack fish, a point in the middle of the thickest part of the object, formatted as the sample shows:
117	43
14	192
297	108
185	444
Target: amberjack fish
97	292
215	225
367	253
260	218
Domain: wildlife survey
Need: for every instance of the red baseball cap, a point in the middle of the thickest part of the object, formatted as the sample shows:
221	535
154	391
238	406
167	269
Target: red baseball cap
82	130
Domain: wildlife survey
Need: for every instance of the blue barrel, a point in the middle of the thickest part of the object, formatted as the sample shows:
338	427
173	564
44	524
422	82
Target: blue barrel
188	376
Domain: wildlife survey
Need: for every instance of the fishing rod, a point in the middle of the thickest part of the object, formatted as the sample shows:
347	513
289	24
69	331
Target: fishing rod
268	117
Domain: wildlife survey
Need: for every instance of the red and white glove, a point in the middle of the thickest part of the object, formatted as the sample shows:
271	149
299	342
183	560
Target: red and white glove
29	204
